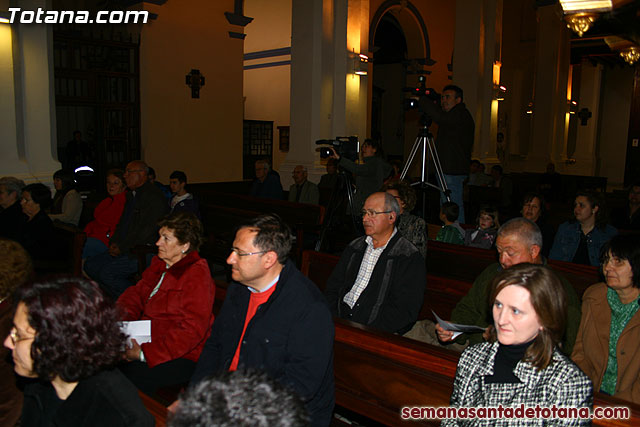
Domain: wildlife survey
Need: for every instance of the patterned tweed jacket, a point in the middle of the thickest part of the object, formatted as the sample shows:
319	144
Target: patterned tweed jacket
561	384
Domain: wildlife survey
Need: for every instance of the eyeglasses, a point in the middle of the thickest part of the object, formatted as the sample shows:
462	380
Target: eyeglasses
372	213
240	253
15	338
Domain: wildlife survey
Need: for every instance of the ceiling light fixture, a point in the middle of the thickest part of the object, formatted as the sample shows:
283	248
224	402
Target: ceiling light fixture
580	14
630	55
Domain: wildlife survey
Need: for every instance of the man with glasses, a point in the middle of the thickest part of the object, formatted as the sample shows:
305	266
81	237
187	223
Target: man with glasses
380	278
138	226
273	319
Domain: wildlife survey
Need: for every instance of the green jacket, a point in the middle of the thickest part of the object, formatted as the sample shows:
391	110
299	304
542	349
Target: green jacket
450	234
473	308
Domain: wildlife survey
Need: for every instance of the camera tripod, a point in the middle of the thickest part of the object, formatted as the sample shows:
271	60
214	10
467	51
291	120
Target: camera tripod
425	141
343	184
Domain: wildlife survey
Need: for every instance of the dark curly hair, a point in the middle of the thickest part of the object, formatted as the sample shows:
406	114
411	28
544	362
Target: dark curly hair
77	328
118	173
40	194
15	266
406	193
186	227
239	398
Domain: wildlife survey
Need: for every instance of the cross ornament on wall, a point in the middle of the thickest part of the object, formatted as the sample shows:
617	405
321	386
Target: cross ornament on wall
584	115
195	81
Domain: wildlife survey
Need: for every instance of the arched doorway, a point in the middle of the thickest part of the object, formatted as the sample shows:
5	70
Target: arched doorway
401	52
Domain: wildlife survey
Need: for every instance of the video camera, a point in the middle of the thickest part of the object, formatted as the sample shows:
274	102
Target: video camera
418	92
345	146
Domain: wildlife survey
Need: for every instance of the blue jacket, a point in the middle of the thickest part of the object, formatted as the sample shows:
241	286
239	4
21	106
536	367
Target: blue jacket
567	241
290	338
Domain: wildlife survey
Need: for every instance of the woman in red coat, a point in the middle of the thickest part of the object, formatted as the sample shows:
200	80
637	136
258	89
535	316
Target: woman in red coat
106	216
176	293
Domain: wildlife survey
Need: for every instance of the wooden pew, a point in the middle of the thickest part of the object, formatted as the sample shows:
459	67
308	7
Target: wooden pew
445	259
223	212
69	242
377	374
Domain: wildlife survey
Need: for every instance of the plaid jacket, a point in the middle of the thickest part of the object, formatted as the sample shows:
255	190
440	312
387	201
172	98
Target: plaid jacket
561	384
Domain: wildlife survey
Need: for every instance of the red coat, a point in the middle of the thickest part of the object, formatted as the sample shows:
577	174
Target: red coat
107	215
180	312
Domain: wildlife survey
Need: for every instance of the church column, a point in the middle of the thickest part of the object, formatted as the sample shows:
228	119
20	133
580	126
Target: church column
586	136
477	47
550	94
27	99
327	99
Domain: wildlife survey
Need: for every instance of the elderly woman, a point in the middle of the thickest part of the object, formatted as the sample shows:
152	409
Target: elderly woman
66	333
606	347
37	235
580	241
521	363
412	227
67	204
106	215
11	217
15	269
176	293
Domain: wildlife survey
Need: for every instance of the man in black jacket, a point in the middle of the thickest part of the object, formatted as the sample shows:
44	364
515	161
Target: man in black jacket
380	278
273	319
455	140
145	205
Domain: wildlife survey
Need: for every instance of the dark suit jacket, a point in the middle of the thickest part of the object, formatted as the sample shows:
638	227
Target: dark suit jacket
144	210
290	338
394	295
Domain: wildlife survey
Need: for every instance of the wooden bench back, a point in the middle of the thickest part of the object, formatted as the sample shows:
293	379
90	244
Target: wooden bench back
377	374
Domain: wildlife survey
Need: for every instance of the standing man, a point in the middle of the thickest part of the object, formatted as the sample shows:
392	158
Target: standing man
145	205
454	142
273	319
380	278
303	190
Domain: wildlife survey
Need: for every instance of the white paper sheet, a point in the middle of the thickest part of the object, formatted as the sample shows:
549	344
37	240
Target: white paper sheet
140	330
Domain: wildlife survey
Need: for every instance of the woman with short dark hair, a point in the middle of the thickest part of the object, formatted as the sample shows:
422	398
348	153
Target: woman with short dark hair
66	333
176	293
606	347
106	215
37	234
67	204
521	363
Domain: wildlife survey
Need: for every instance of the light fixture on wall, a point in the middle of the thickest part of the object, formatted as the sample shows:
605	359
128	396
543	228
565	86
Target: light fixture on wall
360	63
630	54
499	92
529	109
573	107
580	14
